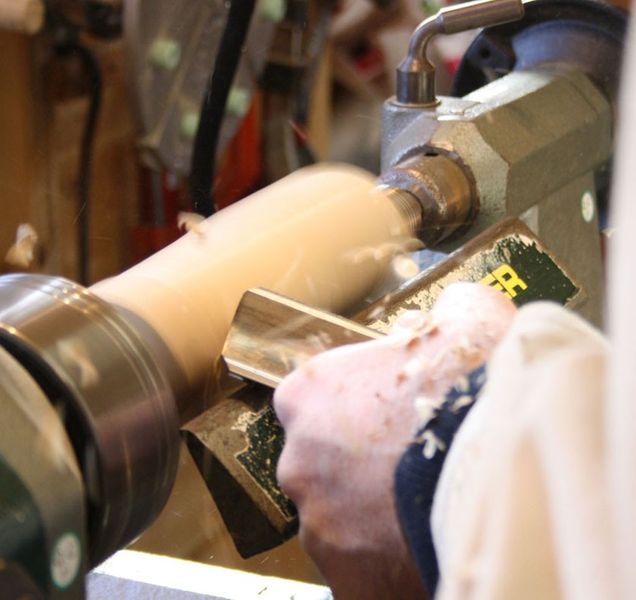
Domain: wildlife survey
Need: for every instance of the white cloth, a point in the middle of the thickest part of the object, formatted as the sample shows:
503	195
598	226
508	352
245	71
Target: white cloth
521	509
620	403
537	498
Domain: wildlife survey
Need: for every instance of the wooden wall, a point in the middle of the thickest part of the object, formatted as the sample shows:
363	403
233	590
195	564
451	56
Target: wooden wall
23	143
43	106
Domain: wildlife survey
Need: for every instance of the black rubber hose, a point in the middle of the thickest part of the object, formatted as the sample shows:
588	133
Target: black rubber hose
92	69
213	107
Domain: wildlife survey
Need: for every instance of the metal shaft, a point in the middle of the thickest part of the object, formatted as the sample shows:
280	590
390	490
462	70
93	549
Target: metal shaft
434	194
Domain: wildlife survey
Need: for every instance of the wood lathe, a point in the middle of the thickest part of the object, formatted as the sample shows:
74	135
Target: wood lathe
103	378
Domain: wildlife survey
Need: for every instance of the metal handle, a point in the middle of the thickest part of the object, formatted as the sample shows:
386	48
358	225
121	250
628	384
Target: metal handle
416	75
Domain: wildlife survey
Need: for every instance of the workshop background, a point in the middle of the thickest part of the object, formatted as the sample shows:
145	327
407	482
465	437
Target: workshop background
99	107
340	56
100	103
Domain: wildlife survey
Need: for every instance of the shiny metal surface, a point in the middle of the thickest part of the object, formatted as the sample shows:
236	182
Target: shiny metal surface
416	74
35	448
532	142
408	205
443	190
236	443
117	405
271	335
483	13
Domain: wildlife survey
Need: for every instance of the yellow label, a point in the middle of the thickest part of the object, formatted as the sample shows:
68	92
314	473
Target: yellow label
506	280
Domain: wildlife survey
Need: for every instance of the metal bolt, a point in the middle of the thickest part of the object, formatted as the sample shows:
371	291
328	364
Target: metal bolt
588	209
165	54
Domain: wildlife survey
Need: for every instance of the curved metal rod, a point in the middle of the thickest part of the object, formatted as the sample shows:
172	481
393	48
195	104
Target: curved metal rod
423	34
416	74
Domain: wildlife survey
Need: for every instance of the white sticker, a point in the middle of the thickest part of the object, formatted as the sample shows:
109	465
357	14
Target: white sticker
66	560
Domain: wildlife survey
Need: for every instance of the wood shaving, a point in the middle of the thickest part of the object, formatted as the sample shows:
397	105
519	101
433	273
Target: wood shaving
22	253
325	338
316	342
412	320
426	409
191	222
243	421
404	267
291	361
462	384
431	444
462	402
413	326
376	312
416	366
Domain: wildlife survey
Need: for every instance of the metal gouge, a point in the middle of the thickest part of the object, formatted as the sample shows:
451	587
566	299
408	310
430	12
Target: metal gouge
271	335
236	444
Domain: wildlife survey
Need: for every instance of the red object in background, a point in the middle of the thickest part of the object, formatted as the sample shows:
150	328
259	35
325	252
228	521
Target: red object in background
242	164
452	64
369	61
148	239
162	200
165	194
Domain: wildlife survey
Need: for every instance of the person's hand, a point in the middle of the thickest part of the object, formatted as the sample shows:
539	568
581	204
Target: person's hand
349	414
